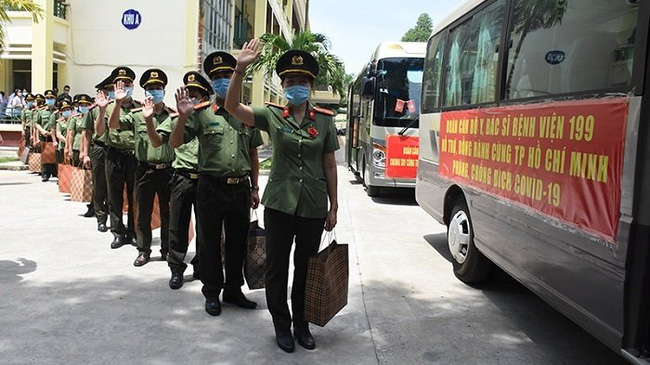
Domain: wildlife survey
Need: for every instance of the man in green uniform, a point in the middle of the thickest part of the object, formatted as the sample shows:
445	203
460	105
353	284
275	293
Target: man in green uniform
45	132
60	122
120	158
40	102
26	119
93	155
229	169
154	170
76	128
184	184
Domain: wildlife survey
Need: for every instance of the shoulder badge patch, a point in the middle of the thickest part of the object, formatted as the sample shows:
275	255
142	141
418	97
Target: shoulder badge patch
324	111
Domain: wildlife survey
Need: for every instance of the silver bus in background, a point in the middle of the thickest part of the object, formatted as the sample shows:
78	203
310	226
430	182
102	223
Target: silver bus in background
534	130
383	110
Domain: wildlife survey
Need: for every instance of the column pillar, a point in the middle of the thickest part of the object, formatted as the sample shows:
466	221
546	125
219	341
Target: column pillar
259	28
42	48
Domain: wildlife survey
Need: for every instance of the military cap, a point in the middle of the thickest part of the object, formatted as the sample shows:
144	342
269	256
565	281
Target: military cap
195	79
64	103
153	76
64	97
122	73
107	81
219	61
40	97
50	94
83	99
297	61
29	97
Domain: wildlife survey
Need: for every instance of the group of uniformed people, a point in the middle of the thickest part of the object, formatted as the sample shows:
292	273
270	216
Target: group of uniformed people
205	155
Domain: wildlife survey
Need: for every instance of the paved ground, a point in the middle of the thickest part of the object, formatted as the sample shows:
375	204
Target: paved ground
67	298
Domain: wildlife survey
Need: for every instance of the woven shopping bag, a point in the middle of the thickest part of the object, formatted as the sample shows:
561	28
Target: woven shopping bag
48	153
81	185
34	162
255	264
65	175
326	288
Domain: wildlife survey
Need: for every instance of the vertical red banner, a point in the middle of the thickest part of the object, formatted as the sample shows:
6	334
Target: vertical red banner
402	156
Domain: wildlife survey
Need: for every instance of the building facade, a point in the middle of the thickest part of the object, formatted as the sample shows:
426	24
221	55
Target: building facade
78	42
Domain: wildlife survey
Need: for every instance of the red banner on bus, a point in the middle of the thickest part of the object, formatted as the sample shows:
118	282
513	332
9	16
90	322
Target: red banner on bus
564	159
402	156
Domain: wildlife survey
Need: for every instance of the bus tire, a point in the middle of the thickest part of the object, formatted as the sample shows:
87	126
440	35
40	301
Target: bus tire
372	191
470	265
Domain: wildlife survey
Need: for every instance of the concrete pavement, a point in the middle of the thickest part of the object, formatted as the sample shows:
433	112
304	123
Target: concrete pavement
67	298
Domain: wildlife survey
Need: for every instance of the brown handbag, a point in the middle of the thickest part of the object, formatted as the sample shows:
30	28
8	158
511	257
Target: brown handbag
48	153
326	288
64	173
81	185
255	264
34	161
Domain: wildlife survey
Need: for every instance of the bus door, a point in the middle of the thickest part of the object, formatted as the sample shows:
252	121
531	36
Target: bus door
352	146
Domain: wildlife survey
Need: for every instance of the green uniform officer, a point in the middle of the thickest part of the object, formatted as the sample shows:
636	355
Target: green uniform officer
229	167
45	132
154	171
60	121
26	118
120	158
76	127
184	185
93	154
40	102
302	178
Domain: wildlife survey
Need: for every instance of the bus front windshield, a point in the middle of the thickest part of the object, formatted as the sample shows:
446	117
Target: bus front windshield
399	81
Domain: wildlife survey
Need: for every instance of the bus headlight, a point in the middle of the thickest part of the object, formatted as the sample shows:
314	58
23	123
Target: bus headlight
378	158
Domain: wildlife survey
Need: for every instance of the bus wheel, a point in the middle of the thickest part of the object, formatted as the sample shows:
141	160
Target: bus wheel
470	266
372	191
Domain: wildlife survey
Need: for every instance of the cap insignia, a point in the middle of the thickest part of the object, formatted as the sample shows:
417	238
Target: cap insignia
217	60
297	60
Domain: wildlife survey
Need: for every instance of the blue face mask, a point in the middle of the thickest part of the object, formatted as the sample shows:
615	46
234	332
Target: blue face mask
83	109
220	87
297	95
67	113
49	102
111	95
156	95
29	104
129	91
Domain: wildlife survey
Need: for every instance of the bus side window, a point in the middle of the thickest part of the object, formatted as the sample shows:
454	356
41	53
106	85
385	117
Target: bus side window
473	58
558	47
432	79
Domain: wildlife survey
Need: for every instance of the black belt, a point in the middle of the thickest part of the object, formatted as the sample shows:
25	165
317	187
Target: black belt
100	144
155	166
230	180
190	174
124	152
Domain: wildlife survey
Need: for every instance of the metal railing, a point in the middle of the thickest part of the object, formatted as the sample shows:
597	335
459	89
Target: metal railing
10	116
60	9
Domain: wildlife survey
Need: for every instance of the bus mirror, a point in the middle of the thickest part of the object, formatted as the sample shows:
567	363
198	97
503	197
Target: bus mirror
368	87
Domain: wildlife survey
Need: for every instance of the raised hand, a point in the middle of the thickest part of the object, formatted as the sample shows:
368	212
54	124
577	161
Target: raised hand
120	93
184	105
101	99
147	108
249	53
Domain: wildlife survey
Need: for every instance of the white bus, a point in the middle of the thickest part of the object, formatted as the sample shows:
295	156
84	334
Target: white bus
383	110
534	132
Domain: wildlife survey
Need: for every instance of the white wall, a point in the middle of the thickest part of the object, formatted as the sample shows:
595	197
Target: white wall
99	42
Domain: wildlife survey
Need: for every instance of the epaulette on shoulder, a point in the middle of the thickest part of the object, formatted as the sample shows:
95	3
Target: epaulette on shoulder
136	102
202	105
324	111
135	110
93	106
274	104
172	113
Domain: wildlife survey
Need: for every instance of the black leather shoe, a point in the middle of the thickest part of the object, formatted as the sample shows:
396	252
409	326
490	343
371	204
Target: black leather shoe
142	259
131	240
213	306
90	212
304	337
45	178
285	341
117	242
176	280
102	227
237	298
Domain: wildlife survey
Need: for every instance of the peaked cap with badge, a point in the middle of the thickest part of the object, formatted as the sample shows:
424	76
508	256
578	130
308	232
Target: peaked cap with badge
297	61
105	82
219	61
196	80
64	103
122	73
83	99
49	94
29	97
153	76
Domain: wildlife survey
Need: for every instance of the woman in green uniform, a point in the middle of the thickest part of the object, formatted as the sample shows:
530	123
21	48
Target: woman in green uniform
302	178
75	127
